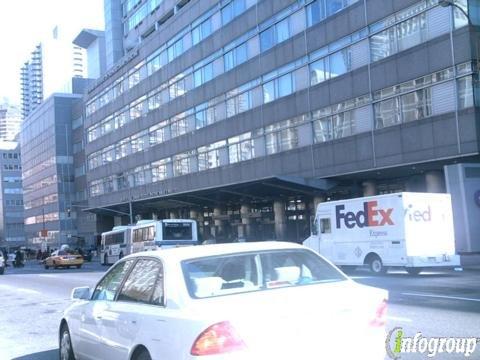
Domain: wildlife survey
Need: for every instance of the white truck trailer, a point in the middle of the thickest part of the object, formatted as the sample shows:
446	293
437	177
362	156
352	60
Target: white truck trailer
410	230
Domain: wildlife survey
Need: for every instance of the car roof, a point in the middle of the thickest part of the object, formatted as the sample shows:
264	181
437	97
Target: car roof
191	252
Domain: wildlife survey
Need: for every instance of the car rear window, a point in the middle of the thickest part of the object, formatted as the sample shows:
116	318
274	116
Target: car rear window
246	272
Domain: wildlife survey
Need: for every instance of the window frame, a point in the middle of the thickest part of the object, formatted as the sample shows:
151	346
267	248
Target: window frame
149	303
121	282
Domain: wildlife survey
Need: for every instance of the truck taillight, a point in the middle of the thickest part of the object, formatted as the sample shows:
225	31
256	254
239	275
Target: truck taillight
217	339
380	318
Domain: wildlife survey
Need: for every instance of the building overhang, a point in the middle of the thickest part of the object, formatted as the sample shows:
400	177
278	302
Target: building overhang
259	191
86	37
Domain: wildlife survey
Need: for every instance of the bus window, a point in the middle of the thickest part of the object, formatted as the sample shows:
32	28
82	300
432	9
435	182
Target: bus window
177	231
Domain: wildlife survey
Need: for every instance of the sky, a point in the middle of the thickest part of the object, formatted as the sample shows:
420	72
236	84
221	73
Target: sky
23	24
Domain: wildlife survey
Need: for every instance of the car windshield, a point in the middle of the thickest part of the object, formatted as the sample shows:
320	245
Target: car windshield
246	272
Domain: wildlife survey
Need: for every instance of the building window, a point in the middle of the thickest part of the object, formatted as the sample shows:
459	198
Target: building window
465	92
318	71
343	124
383	44
315	12
282	30
387	113
340	63
285	85
412	32
269	92
322	130
416	105
267	39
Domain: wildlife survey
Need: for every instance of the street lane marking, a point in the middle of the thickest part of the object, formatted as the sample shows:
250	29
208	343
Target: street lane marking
442	297
401	319
28	291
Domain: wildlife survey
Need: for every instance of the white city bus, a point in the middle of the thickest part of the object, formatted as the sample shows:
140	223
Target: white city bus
152	234
115	244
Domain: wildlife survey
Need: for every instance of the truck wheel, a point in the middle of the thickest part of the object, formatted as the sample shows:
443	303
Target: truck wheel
414	270
376	266
105	260
120	256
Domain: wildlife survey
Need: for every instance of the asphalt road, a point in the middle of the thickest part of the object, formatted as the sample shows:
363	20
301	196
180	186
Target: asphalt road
440	304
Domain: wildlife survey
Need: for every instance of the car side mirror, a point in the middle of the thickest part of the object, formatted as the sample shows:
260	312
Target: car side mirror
80	293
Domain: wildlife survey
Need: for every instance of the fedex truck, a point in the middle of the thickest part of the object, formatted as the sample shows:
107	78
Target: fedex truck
410	230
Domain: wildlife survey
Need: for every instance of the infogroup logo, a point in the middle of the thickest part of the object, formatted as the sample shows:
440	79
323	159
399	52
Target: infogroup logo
397	344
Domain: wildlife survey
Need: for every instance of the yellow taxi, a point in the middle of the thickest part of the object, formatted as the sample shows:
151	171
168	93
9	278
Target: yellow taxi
63	258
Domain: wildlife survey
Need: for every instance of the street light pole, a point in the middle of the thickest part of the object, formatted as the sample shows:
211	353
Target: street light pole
447	3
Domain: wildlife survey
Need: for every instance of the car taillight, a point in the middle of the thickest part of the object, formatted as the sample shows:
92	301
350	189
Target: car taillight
380	318
217	339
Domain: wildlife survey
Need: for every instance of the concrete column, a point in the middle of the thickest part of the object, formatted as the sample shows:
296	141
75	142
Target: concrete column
117	221
369	188
415	183
219	223
154	216
435	181
317	200
280	219
201	224
172	214
245	229
193	214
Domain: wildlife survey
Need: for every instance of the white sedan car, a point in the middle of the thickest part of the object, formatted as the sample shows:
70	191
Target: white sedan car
265	300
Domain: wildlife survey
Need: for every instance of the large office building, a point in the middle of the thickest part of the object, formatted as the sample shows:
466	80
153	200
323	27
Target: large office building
48	171
12	232
50	69
244	114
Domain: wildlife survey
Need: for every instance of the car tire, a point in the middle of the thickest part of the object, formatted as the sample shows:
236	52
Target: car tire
65	344
414	270
79	266
55	266
143	355
47	267
376	266
2	270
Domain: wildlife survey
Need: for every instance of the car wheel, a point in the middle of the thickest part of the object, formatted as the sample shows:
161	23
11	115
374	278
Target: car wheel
79	266
143	355
66	350
414	270
47	267
55	266
2	270
376	266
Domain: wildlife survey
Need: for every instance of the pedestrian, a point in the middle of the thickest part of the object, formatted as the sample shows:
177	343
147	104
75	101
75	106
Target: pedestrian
5	256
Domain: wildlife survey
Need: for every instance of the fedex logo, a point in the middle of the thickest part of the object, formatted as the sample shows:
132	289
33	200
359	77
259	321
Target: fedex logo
371	215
